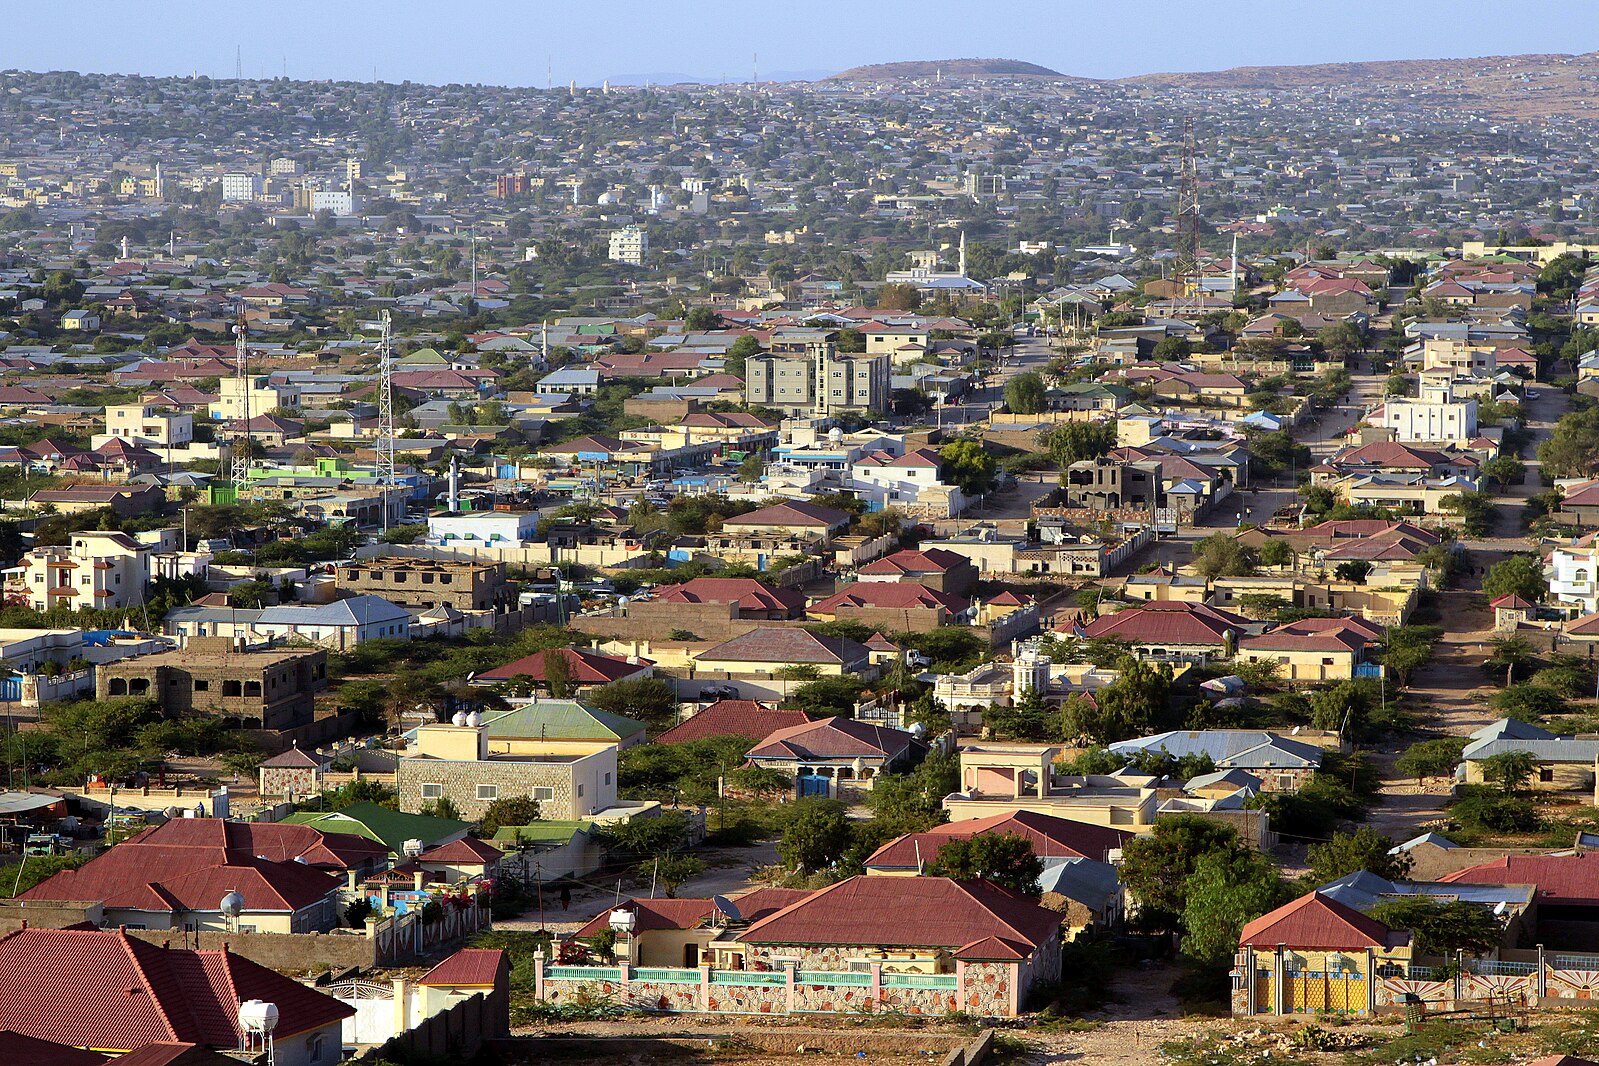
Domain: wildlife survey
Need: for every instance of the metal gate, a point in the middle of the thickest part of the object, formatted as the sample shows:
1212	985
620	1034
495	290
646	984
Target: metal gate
1313	991
10	689
812	785
373	1021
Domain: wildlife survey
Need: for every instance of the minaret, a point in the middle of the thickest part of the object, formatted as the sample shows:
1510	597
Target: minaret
1235	263
962	270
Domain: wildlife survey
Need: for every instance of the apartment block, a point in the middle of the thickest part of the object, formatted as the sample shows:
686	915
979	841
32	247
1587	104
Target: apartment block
271	688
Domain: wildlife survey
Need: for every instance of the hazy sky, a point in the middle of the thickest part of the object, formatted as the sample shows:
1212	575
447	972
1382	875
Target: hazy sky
511	41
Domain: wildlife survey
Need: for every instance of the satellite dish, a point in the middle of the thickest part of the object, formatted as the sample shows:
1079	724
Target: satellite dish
232	904
727	907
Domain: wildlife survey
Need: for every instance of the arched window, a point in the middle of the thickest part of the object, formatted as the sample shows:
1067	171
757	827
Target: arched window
1580	577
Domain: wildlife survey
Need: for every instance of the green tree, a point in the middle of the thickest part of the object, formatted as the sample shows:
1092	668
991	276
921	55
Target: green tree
1409	648
671	871
510	810
1504	470
1122	709
1072	442
647	699
1006	859
1516	575
1223	555
914	802
1026	394
1510	770
899	297
1364	849
1431	758
1572	449
829	696
815	836
1157	865
1226	891
558	678
1510	654
1528	703
34	870
1440	928
968	465
1355	571
1276	552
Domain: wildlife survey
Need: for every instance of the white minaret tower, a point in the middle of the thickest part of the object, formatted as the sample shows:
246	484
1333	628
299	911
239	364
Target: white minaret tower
962	270
1235	263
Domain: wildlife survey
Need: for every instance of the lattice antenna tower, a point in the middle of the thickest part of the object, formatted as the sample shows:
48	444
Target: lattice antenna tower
241	436
1188	219
385	451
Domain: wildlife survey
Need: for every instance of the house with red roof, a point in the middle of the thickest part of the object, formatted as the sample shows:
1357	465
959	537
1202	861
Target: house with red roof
837	756
1316	954
750	719
1313	649
748	598
796	518
936	568
1050	837
1173	630
174	876
108	991
894	606
587	670
676	932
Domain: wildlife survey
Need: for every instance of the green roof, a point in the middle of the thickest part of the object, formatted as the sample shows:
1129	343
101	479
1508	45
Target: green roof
561	720
425	356
542	832
389	828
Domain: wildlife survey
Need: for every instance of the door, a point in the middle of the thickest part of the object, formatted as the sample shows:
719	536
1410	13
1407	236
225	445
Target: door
812	785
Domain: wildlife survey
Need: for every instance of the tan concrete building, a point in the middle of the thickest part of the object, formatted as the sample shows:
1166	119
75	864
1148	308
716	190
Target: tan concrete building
272	688
464	585
453	761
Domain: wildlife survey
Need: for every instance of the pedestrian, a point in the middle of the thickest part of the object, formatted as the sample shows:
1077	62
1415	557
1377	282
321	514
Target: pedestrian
566	897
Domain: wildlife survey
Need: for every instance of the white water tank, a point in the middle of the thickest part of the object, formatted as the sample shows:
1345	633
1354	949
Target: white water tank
258	1016
412	848
232	904
459	718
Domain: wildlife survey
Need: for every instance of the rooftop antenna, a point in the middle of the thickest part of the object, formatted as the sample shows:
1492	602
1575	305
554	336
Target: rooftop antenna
755	73
238	62
241	436
549	73
1188	204
385	450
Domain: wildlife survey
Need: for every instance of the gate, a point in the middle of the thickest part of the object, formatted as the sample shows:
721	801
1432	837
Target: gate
812	785
1313	991
373	1021
10	689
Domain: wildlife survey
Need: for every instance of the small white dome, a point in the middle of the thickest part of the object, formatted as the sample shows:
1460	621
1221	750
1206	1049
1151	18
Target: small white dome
474	719
459	718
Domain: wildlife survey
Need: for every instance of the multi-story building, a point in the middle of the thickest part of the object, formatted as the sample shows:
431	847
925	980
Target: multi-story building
821	381
464	585
284	165
630	244
453	761
338	201
151	425
240	187
1421	420
1573	573
264	395
509	185
270	688
98	568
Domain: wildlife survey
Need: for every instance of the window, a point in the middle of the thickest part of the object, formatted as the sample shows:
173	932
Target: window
232	688
252	688
607	779
580	790
488	792
313	1048
543	794
432	791
1546	773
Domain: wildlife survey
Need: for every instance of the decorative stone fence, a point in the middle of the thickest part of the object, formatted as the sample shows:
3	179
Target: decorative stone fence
983	989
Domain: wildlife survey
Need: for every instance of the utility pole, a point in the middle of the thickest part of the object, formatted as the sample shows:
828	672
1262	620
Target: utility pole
241	436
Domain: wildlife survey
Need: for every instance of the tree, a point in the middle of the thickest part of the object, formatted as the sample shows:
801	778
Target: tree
558	675
1572	450
1025	394
1223	555
1027	718
1431	758
1528	702
1408	648
1510	770
1072	442
968	465
1276	552
914	802
1006	859
1364	849
443	807
1356	571
35	870
1124	708
671	871
899	297
829	696
1510	653
1440	928
1157	865
663	834
700	319
510	810
1477	511
1516	575
646	699
1504	470
815	835
1225	891
1341	706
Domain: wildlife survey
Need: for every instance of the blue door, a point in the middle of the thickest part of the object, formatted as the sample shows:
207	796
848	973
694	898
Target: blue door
812	785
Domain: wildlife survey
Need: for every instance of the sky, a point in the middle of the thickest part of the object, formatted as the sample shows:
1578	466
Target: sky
525	42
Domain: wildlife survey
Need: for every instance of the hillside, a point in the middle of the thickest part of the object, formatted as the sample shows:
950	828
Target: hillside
1513	87
948	68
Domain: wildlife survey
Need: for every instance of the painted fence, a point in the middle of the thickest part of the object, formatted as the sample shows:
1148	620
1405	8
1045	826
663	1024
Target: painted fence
979	988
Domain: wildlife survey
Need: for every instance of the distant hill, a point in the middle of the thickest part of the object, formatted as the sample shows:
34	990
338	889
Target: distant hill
1511	87
949	68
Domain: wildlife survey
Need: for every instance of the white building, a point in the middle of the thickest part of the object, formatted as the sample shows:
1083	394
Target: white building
106	569
265	396
508	529
909	482
146	424
284	165
240	187
1429	420
338	201
1573	574
630	244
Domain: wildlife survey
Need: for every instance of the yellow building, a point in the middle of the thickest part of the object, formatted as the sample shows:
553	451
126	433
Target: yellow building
1314	955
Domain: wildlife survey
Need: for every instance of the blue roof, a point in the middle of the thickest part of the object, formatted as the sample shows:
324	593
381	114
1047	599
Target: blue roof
352	611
